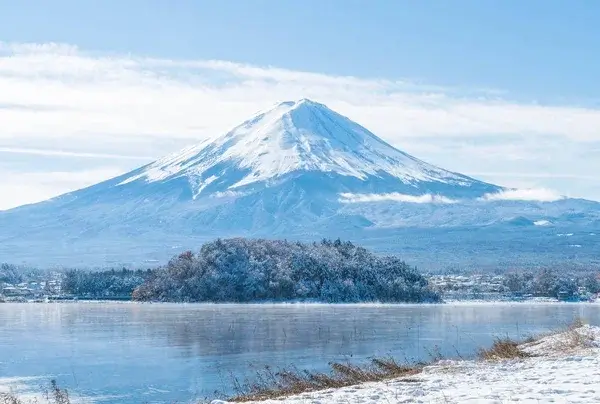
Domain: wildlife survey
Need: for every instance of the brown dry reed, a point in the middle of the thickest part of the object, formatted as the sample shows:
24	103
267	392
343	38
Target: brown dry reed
270	384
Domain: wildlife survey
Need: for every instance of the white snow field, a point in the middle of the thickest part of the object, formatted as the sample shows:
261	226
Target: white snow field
565	369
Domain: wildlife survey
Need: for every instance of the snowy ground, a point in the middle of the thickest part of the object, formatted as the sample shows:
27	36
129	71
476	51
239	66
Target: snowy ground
566	369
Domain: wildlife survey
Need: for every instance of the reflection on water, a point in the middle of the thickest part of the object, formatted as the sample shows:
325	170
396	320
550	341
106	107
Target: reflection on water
163	352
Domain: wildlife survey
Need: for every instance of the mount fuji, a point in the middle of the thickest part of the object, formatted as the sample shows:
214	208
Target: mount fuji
298	170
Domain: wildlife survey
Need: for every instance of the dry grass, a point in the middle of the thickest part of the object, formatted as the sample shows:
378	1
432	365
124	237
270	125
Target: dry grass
578	322
269	384
7	398
503	349
576	337
571	337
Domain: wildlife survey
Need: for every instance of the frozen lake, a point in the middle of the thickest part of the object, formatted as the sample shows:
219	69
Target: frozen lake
155	353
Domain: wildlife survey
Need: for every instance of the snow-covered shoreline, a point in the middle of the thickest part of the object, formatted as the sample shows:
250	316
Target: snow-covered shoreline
537	302
565	368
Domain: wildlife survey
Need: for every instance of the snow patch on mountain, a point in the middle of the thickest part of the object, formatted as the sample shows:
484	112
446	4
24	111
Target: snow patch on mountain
202	184
228	194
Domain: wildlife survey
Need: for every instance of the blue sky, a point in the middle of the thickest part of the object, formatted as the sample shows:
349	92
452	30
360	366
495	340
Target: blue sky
535	49
504	90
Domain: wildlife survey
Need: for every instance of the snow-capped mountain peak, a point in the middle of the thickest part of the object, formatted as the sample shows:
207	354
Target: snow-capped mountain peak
292	136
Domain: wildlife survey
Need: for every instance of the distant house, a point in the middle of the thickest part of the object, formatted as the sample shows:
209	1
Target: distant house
565	295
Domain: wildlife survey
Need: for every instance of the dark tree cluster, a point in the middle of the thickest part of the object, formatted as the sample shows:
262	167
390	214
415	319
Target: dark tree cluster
249	270
105	284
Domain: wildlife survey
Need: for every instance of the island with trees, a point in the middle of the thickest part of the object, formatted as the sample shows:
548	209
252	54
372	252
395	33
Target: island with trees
258	270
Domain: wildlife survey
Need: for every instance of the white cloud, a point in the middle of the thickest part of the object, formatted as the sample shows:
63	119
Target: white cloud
45	152
85	93
540	195
56	98
532	194
394	197
30	187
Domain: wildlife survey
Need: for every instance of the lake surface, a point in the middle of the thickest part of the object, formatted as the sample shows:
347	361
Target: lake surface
155	353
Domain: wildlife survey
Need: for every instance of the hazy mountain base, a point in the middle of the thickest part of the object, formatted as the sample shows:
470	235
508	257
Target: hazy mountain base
497	247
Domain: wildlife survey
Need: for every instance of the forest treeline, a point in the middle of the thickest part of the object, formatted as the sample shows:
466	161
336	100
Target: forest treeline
551	283
103	284
255	270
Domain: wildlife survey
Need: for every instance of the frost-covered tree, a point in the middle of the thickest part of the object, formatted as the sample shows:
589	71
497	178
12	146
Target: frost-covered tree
10	274
111	283
592	283
244	270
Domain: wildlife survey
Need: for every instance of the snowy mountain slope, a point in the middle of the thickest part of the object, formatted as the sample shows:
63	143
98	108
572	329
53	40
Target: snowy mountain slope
293	137
297	170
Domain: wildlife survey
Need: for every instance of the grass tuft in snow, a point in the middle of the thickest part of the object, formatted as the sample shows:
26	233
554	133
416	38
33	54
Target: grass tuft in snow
575	337
504	348
269	384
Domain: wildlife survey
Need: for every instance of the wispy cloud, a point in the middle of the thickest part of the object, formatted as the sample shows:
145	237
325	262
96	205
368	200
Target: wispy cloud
510	174
46	152
18	188
104	105
394	197
539	195
137	96
529	194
